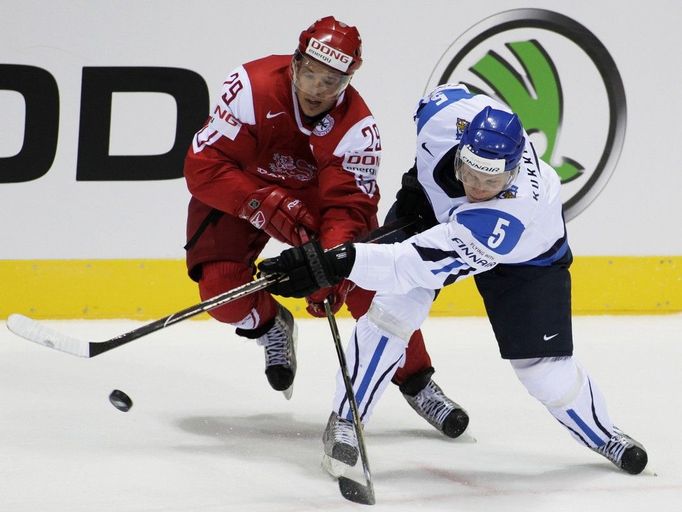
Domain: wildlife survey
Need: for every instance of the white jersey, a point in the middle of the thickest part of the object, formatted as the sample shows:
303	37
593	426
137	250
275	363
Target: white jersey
521	225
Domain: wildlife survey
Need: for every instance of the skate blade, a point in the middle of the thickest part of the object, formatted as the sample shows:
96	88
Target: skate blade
290	390
649	472
334	467
466	438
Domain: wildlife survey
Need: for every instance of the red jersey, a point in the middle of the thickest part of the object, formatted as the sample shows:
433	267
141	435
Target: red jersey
256	137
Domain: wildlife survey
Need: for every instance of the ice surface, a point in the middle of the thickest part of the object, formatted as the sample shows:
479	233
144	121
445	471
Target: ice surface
207	434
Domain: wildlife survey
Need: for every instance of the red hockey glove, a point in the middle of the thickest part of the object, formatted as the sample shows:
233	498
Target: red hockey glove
278	214
336	295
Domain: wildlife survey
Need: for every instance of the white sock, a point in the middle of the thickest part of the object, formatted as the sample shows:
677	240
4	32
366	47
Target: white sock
565	388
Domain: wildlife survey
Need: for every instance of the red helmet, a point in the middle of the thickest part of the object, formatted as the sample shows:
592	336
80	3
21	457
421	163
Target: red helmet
333	43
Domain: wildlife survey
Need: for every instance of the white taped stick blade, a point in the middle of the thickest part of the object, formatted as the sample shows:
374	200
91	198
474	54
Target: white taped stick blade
36	332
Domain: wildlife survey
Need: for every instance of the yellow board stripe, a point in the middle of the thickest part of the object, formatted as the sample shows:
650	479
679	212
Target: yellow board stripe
148	289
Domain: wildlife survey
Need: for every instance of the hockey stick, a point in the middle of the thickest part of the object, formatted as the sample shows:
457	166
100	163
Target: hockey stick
34	331
350	489
388	229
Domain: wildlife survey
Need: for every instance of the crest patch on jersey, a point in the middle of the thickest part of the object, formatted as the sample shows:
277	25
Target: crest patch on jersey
324	126
285	166
510	193
461	125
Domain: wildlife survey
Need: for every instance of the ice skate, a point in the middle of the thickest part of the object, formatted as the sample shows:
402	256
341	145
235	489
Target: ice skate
428	399
279	344
278	339
626	453
340	446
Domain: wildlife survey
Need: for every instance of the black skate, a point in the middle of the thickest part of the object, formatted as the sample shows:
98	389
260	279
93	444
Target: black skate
340	446
428	399
278	339
626	453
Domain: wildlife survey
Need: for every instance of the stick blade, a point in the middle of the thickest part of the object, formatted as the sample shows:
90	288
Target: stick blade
356	492
36	332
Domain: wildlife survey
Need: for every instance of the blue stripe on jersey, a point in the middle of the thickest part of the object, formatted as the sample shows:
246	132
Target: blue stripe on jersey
439	101
545	260
447	268
369	373
598	441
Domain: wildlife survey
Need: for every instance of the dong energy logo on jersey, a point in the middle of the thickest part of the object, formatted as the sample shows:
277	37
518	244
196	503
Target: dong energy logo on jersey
365	166
561	81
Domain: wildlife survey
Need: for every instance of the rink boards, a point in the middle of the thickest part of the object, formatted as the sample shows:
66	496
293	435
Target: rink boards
151	288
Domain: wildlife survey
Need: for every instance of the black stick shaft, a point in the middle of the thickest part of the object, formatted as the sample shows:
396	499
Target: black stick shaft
162	323
365	495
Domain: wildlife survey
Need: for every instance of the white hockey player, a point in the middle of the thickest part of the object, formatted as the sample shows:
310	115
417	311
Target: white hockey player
498	217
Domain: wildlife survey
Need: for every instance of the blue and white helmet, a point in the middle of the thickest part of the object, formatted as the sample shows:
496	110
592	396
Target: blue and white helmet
492	143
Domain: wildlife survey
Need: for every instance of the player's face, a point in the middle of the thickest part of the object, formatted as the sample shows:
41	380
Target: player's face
317	86
479	186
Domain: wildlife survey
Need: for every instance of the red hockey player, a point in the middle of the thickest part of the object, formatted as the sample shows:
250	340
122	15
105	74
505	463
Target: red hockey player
291	150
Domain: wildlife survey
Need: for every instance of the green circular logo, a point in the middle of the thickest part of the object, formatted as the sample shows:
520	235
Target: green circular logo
561	81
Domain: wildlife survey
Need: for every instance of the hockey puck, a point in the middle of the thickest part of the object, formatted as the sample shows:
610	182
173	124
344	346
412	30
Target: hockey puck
120	400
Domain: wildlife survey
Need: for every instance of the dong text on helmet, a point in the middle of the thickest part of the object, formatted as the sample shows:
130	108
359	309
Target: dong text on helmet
333	43
495	135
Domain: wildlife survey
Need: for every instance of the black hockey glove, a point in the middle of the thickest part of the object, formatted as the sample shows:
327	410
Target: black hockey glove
309	268
411	201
